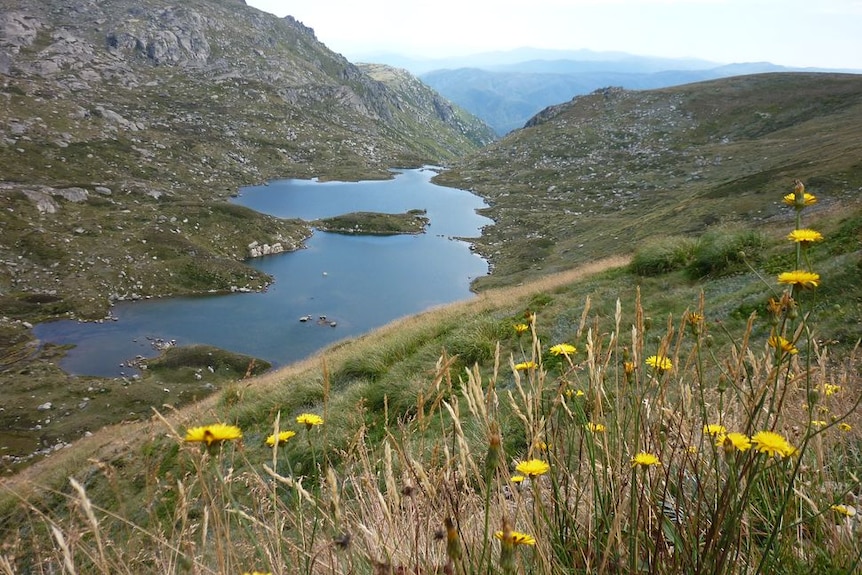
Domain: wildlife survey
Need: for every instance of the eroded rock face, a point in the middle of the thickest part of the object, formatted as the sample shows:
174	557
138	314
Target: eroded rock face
173	36
18	30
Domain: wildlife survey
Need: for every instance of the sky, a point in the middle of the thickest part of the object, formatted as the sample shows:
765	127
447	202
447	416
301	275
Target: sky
796	33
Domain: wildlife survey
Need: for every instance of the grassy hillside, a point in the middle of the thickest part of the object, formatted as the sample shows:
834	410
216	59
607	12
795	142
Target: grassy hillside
425	421
602	173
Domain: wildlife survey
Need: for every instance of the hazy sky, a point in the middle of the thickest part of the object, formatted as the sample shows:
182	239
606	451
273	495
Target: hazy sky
820	33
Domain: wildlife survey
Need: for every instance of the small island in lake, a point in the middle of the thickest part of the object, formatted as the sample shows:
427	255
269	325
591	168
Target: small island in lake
375	223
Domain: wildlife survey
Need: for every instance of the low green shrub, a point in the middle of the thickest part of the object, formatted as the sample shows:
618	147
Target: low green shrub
663	255
725	251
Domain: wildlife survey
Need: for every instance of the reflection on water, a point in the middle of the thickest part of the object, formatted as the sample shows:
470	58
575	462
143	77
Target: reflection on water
357	282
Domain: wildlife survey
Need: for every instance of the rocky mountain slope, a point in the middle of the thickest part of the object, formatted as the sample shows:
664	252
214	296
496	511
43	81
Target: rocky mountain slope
601	173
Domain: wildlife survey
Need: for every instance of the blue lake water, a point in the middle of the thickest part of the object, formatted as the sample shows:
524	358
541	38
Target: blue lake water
359	282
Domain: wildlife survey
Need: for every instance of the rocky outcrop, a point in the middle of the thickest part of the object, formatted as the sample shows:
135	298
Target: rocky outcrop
172	36
44	200
256	249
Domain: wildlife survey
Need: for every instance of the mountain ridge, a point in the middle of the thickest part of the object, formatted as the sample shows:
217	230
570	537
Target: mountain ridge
506	95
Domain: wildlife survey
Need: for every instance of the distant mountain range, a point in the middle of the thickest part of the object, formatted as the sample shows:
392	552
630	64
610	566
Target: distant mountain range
506	89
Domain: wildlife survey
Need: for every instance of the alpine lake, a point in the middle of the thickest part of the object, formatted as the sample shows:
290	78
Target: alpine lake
341	285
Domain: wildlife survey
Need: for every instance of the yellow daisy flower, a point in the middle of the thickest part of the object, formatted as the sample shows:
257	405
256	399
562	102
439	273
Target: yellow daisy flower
831	389
799	278
772	443
778	342
533	467
714	429
563	349
805	236
844	426
644	459
659	363
807	199
214	433
518	538
524	365
309	420
282	437
733	440
596	427
517	479
521	328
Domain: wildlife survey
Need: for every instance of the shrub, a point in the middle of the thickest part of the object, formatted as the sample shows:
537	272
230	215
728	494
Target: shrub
663	255
724	251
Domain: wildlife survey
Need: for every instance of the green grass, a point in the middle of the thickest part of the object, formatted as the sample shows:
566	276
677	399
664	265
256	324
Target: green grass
375	223
425	421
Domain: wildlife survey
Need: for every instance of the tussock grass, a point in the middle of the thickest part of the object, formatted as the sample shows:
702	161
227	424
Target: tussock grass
662	255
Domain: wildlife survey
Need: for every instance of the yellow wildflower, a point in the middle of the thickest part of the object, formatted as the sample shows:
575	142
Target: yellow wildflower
844	426
778	342
645	459
516	479
831	389
533	467
714	429
282	437
521	328
518	538
596	427
807	199
799	278
214	433
818	422
563	349
736	440
805	236
772	443
309	420
524	365
659	363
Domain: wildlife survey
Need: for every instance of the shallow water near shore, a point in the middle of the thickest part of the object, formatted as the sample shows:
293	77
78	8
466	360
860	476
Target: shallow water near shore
355	282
